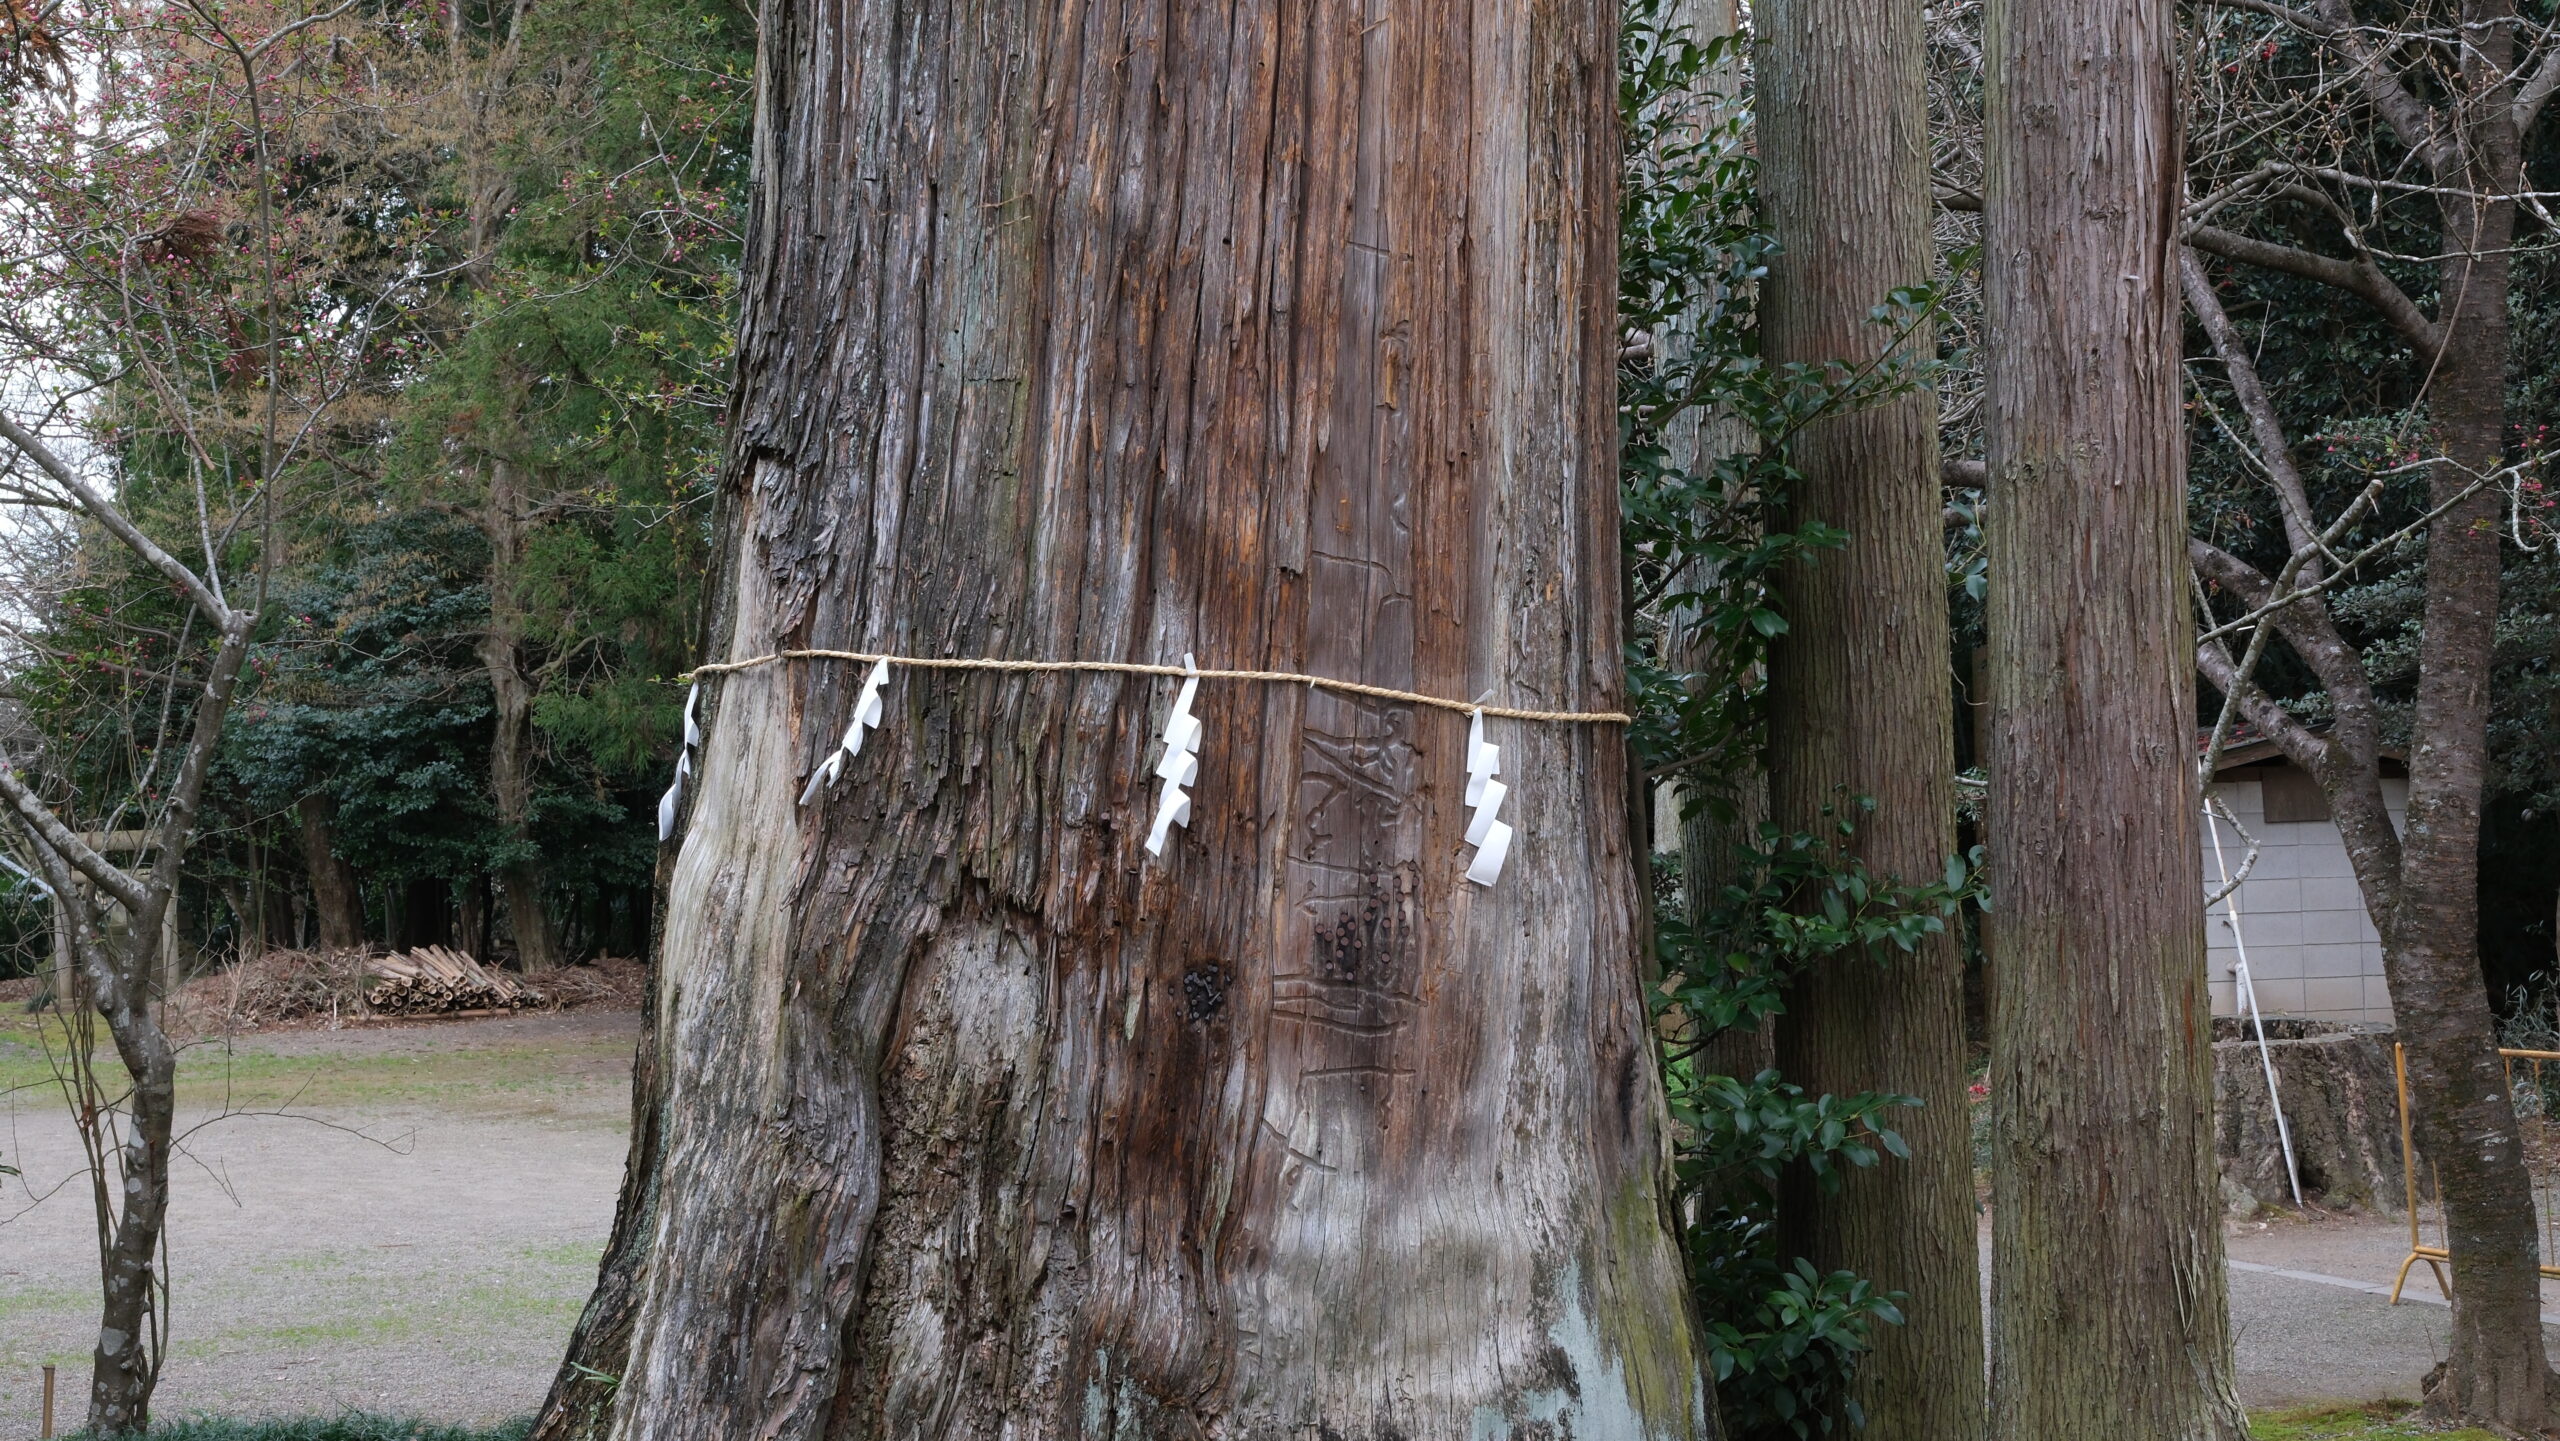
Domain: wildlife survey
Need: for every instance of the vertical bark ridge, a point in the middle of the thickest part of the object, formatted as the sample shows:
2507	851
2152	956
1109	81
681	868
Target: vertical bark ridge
1283	335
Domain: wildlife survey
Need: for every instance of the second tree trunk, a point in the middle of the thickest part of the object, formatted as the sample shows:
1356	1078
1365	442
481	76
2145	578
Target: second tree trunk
1860	702
2109	1319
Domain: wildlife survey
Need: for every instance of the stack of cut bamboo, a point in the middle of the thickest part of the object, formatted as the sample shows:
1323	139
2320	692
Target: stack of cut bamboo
432	980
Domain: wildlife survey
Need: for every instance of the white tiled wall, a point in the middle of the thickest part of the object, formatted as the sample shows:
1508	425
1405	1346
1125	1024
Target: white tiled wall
2313	951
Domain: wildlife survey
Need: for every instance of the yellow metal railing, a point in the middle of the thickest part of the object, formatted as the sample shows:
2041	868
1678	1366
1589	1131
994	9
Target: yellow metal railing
2437	1255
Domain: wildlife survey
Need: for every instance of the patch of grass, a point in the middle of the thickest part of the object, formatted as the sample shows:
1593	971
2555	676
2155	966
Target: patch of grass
353	1426
2371	1421
515	1074
583	1254
29	1301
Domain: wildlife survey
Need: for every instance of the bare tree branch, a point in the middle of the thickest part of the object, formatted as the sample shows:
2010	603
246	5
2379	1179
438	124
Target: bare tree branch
2305	624
2537	89
114	519
48	832
2301	744
2275	455
2417	123
2302	20
289	31
177	823
2357	277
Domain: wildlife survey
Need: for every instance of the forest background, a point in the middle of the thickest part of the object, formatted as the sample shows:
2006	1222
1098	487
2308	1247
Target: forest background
508	265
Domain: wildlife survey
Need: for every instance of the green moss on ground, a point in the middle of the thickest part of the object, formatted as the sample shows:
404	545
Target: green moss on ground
2371	1421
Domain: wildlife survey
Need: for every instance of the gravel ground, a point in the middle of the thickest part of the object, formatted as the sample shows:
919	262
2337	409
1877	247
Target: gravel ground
2311	1318
2303	1341
419	1236
428	1260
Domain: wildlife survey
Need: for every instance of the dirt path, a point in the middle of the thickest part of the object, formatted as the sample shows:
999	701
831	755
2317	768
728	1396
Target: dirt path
431	1265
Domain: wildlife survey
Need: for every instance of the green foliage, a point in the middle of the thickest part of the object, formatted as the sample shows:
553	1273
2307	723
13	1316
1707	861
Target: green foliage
1704	543
540	230
1784	1337
592	357
371	695
26	927
1799	899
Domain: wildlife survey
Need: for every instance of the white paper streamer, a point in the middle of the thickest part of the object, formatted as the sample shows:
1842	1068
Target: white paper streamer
866	717
684	765
675	793
1180	766
1490	837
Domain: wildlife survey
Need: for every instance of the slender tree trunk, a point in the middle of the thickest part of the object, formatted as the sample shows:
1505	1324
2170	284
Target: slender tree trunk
61	990
2108	1308
1711	846
1860	698
511	752
471	921
334	889
1288	342
125	1366
484	77
2440	1003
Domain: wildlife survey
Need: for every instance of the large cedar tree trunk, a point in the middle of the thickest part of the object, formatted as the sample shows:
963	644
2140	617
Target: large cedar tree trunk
1285	339
1860	696
2108	1306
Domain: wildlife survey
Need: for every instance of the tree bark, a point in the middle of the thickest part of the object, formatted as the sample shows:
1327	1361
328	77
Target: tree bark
2108	1308
334	889
471	917
59	990
1861	701
511	752
2463	1118
125	1366
1287	341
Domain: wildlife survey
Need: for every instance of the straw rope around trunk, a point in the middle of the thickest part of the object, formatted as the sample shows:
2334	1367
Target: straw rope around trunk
1561	717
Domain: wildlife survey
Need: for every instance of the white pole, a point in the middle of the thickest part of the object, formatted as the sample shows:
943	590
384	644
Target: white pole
2249	992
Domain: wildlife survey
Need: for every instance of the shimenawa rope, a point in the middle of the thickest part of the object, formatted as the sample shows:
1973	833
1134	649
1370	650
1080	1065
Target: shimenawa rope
1277	677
